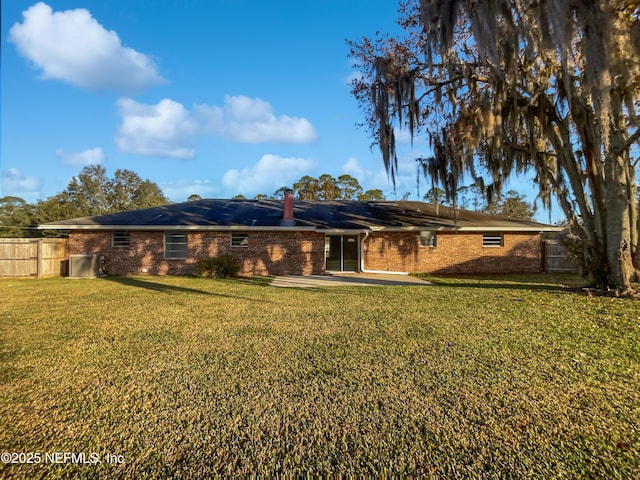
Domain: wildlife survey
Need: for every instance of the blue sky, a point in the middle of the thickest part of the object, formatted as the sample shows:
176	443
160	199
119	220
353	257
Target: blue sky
212	97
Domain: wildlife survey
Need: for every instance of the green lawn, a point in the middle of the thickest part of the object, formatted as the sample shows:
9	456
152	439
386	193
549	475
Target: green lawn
513	377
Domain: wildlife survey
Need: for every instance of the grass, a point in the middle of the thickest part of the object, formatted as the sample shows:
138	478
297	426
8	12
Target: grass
508	377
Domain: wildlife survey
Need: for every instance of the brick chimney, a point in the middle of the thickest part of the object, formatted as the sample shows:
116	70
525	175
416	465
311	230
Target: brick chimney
287	214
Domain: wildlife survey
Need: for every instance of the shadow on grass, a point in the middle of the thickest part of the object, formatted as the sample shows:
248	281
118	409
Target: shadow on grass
257	281
333	290
164	288
341	290
537	282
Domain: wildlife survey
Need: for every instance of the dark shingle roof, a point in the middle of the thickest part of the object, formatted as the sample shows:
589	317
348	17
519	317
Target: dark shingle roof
323	215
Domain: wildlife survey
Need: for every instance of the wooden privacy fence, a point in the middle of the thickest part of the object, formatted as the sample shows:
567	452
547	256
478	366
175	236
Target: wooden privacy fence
33	257
556	258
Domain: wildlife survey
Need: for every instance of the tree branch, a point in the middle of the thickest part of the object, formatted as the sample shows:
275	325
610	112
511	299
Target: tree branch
630	141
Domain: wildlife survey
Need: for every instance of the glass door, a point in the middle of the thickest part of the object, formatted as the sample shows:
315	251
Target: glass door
333	253
349	253
341	253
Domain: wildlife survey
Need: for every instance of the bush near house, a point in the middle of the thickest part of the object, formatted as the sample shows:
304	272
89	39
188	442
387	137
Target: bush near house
505	377
222	266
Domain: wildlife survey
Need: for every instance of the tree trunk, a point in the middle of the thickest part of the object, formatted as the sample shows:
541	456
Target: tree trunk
620	273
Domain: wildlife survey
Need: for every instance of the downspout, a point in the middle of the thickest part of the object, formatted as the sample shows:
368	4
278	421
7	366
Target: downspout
364	270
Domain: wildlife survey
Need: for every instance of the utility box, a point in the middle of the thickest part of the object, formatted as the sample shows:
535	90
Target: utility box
85	266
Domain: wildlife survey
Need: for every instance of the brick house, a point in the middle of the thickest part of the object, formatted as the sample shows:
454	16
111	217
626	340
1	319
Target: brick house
271	237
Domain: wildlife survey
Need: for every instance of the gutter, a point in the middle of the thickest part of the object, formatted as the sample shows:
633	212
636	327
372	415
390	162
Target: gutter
364	270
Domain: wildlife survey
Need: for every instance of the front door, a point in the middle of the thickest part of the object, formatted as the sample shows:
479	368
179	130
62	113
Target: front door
341	253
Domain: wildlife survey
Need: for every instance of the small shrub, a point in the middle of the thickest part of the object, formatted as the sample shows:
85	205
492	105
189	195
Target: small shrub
222	266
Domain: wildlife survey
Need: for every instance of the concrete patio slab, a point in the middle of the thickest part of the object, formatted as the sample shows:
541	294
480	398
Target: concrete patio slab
350	279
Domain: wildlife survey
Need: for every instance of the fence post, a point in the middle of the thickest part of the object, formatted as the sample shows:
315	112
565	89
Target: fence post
39	259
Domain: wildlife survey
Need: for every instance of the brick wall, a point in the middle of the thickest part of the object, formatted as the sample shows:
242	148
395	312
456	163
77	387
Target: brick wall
456	252
273	253
302	253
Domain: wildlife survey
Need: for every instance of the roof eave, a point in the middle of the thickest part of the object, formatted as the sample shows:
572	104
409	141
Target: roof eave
213	228
347	231
504	228
523	228
373	228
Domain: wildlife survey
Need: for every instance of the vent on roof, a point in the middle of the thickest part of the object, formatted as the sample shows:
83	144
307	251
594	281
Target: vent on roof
85	266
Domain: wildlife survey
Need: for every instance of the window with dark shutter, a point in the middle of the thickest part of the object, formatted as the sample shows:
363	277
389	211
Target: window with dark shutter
120	238
239	239
492	240
175	245
428	239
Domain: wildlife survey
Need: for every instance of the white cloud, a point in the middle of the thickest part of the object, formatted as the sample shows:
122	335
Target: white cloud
378	179
270	173
92	156
369	179
353	168
15	182
165	129
73	47
251	120
180	190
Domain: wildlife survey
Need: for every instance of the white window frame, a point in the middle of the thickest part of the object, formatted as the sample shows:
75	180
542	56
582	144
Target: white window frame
123	240
239	239
170	250
493	240
428	239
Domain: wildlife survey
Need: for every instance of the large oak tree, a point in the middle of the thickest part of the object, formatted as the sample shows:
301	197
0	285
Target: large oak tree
503	87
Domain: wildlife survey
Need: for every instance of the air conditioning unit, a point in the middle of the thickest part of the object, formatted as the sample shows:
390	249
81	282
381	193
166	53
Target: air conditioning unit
85	266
